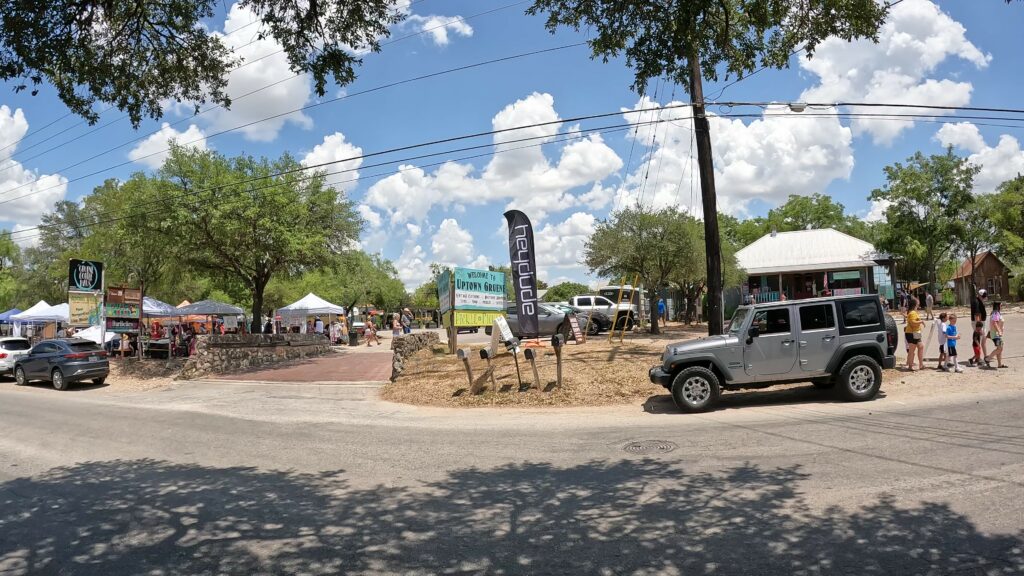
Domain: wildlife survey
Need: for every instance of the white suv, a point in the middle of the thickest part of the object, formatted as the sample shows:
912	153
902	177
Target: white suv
11	349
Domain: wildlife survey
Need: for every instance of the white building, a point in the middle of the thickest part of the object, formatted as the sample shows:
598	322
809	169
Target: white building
811	263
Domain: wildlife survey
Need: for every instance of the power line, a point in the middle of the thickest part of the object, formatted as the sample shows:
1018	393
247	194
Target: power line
254	122
235	99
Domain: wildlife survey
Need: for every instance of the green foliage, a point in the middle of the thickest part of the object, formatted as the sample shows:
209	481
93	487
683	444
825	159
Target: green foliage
927	197
658	38
1007	213
662	247
9	258
947	298
243	221
816	211
565	290
137	55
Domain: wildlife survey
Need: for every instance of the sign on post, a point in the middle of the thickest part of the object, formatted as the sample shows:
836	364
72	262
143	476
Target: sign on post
444	291
84	308
577	333
85	276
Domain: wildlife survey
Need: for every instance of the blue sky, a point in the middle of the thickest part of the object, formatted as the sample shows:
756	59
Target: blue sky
950	53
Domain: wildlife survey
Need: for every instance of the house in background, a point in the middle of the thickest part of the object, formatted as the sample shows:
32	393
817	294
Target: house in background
811	263
992	275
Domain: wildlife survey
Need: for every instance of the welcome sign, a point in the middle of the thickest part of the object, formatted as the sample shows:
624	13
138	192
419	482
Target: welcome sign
479	290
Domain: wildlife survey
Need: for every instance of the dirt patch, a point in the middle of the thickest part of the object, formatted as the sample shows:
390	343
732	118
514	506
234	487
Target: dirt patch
597	373
131	375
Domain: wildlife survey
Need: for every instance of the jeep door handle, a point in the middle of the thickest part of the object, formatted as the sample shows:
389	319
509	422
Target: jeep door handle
828	338
787	342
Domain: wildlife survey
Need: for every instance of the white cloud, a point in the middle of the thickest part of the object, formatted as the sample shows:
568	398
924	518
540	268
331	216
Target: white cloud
781	153
258	72
913	42
27	193
153	151
877	210
343	155
998	163
413	268
369	216
414	230
452	245
438	27
560	245
520	174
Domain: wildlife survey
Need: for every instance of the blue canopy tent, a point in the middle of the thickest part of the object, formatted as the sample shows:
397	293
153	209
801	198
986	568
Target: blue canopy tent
153	308
5	318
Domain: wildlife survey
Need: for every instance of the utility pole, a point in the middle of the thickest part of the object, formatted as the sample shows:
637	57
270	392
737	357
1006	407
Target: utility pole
712	241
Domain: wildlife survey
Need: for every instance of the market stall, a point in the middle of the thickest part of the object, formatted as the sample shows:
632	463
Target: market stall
6	324
40	315
306	309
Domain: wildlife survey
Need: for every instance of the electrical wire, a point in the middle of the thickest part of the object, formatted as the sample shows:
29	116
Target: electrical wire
265	119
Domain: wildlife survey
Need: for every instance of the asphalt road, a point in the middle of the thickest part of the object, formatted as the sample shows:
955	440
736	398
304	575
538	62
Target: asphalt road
220	478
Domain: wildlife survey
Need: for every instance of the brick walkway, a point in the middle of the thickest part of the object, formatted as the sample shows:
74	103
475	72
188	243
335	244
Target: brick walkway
342	367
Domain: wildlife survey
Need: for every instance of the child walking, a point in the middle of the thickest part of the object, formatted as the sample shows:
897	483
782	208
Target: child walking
979	334
941	325
371	333
951	338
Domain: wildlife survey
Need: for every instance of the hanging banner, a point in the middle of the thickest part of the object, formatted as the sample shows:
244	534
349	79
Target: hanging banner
479	290
85	276
84	309
524	271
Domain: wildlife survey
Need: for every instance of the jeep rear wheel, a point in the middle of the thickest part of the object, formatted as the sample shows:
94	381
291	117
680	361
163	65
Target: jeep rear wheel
860	378
695	389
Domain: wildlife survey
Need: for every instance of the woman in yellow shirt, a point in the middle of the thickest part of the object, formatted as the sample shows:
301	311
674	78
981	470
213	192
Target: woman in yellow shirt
913	333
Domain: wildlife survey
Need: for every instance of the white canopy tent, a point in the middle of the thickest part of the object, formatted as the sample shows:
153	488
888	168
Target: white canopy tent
296	313
43	312
93	333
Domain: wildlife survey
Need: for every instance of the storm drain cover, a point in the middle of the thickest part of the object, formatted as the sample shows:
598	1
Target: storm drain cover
650	447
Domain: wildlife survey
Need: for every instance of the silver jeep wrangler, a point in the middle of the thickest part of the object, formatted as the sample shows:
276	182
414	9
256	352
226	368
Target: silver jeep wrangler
840	342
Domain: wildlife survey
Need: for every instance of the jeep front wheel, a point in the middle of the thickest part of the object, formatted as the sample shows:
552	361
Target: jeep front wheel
860	379
695	389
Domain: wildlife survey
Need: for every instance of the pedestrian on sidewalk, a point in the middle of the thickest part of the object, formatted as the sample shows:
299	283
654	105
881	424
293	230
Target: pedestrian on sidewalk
940	325
913	333
995	332
952	336
976	337
343	330
929	301
396	325
371	333
406	321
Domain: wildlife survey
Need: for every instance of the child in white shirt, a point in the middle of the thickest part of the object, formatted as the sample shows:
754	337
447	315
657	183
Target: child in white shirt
941	324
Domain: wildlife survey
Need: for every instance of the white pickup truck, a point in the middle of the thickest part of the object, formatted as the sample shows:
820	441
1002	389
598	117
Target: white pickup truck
623	313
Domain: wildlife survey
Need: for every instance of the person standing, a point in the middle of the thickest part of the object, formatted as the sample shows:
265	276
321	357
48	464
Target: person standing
940	324
406	321
318	326
995	332
268	328
978	314
951	339
662	312
913	333
343	330
929	301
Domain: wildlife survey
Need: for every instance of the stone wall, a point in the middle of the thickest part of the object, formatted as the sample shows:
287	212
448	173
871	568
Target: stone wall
232	353
407	345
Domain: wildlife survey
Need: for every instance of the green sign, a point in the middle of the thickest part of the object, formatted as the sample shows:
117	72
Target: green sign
848	275
444	291
479	290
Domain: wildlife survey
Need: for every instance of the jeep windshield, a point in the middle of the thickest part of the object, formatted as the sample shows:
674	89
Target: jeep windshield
737	320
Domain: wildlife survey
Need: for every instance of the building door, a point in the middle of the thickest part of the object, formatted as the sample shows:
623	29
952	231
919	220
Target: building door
773	351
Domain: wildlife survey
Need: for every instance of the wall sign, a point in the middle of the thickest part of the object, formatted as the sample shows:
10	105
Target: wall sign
479	290
85	275
84	309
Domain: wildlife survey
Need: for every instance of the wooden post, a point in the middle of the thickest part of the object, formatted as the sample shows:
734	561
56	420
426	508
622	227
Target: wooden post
636	280
464	356
486	355
531	355
557	341
615	321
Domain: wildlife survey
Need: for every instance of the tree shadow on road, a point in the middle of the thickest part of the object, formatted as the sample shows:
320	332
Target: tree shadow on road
633	516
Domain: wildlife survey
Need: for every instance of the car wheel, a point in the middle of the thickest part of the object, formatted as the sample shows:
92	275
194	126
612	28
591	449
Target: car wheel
860	378
19	376
823	383
695	389
57	378
99	381
593	329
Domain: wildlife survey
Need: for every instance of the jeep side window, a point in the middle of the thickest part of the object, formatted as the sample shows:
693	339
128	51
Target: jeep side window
860	313
583	301
602	302
774	321
817	317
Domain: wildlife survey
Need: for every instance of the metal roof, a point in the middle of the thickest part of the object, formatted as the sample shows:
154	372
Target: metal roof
805	251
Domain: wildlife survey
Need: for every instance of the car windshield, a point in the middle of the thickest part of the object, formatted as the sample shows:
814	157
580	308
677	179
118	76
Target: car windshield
737	320
15	345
